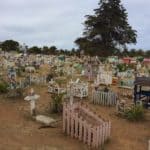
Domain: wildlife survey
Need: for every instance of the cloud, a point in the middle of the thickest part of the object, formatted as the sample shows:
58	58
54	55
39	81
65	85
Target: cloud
59	22
138	15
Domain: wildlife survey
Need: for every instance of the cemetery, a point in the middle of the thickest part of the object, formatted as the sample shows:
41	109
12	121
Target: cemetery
88	107
69	89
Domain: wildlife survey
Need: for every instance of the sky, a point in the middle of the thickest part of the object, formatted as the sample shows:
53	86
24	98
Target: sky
60	22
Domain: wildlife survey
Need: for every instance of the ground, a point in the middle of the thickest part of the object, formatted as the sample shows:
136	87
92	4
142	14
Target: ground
19	132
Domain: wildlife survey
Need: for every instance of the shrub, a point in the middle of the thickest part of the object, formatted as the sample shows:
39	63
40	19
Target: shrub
60	82
3	87
56	104
121	67
135	113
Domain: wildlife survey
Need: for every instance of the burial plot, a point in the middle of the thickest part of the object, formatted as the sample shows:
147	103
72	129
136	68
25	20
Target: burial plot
104	98
81	123
79	90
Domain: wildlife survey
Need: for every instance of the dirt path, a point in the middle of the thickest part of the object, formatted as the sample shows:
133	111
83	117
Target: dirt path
19	132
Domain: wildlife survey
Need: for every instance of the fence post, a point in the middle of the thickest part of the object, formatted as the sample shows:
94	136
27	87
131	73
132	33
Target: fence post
72	123
68	122
89	134
80	128
76	125
84	132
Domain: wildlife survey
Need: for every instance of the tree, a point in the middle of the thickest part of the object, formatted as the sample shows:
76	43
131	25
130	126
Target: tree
10	45
140	52
73	51
35	50
45	50
132	53
147	53
53	50
61	51
125	52
107	30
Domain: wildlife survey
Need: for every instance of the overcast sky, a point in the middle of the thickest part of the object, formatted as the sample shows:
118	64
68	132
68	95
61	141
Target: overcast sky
59	22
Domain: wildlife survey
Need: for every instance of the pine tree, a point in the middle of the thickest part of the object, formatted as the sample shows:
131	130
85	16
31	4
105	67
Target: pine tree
107	29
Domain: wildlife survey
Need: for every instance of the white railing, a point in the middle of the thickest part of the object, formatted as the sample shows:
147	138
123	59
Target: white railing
78	90
104	98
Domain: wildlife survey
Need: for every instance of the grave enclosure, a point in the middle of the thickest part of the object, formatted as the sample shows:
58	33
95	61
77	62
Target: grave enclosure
81	123
104	98
79	90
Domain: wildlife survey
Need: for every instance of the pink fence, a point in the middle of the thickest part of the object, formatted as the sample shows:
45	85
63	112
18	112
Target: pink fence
81	123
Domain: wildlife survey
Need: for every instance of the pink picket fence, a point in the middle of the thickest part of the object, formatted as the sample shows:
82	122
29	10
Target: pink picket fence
81	123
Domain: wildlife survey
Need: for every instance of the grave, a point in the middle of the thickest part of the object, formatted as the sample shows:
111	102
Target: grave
81	123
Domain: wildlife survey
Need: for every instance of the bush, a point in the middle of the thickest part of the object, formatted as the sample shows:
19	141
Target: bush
60	82
56	104
121	67
3	87
135	113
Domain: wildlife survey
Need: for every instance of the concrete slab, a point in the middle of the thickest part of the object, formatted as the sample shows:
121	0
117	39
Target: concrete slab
44	119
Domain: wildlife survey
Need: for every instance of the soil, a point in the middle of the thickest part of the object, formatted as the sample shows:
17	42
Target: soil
18	131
